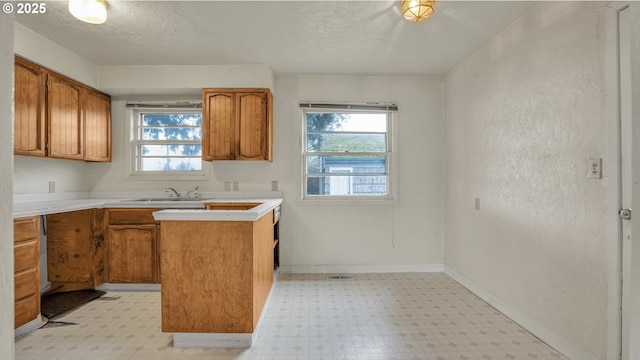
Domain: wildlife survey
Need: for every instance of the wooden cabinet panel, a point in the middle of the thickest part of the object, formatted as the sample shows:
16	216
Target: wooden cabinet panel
216	275
133	254
25	284
76	250
237	124
252	126
97	127
26	254
26	310
131	216
219	126
59	117
64	114
25	229
29	109
262	264
27	269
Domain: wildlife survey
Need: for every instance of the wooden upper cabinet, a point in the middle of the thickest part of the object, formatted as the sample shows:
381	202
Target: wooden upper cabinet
65	112
237	124
218	125
29	95
59	117
97	126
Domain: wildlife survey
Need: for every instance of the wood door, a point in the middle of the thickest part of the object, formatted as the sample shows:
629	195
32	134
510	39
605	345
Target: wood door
133	254
97	126
70	250
252	126
30	109
65	120
218	125
26	269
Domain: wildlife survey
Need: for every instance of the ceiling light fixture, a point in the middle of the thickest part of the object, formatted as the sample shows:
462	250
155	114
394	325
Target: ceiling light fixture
416	10
90	11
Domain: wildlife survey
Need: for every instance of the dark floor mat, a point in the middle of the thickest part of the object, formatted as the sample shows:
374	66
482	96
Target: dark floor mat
61	302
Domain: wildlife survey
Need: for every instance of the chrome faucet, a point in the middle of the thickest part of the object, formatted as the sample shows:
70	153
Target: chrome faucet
172	191
195	193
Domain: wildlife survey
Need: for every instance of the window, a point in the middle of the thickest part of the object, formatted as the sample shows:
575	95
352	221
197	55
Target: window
347	151
166	141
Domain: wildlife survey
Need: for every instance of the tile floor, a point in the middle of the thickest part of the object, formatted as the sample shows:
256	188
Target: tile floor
375	316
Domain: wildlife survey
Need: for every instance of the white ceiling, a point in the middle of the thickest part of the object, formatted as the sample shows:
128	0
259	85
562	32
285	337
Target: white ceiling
309	37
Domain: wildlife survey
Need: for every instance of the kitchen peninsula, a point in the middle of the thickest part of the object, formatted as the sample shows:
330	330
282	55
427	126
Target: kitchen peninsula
241	218
217	270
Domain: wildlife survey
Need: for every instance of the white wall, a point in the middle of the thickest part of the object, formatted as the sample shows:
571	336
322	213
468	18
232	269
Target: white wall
524	113
408	235
6	192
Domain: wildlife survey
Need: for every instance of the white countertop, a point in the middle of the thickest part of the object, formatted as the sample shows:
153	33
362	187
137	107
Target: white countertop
43	204
252	214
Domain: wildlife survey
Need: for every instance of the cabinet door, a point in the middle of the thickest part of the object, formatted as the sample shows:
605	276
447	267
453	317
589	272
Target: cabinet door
26	269
97	127
218	125
252	126
132	254
30	110
70	250
65	121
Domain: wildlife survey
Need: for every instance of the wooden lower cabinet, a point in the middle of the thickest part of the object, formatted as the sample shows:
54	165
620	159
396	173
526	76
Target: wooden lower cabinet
26	237
216	275
133	254
133	237
76	250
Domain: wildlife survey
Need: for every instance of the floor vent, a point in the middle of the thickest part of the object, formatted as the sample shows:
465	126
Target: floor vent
341	277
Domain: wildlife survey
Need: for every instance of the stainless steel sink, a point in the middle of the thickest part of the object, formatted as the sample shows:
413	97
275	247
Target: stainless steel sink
167	199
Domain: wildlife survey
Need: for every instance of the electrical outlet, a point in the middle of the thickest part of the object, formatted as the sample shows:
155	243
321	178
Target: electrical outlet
595	169
274	186
52	186
227	186
236	186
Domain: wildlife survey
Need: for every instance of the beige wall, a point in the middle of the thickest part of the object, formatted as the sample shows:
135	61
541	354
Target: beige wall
403	236
406	235
6	182
524	114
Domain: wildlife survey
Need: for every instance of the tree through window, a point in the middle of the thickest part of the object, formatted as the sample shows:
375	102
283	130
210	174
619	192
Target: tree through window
167	141
346	153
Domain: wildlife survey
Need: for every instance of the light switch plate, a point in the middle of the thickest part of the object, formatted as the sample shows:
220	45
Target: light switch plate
52	186
236	186
227	186
595	169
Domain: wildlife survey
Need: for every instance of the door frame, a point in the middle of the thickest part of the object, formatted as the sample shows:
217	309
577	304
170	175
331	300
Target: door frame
623	310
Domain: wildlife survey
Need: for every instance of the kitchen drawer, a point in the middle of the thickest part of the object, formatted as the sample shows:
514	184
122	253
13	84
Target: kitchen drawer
25	229
27	309
131	216
27	283
26	255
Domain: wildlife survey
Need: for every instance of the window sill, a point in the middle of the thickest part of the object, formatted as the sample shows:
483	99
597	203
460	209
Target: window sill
347	202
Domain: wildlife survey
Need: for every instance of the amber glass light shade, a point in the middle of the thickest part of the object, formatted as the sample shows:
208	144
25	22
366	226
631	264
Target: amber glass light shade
417	10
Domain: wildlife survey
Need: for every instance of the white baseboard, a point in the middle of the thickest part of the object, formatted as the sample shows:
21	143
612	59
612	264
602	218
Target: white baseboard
34	324
551	338
359	269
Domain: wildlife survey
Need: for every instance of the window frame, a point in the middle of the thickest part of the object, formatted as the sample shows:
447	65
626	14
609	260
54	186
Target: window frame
389	154
133	142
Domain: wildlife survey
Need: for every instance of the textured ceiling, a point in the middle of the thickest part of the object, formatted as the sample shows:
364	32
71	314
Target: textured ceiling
311	37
